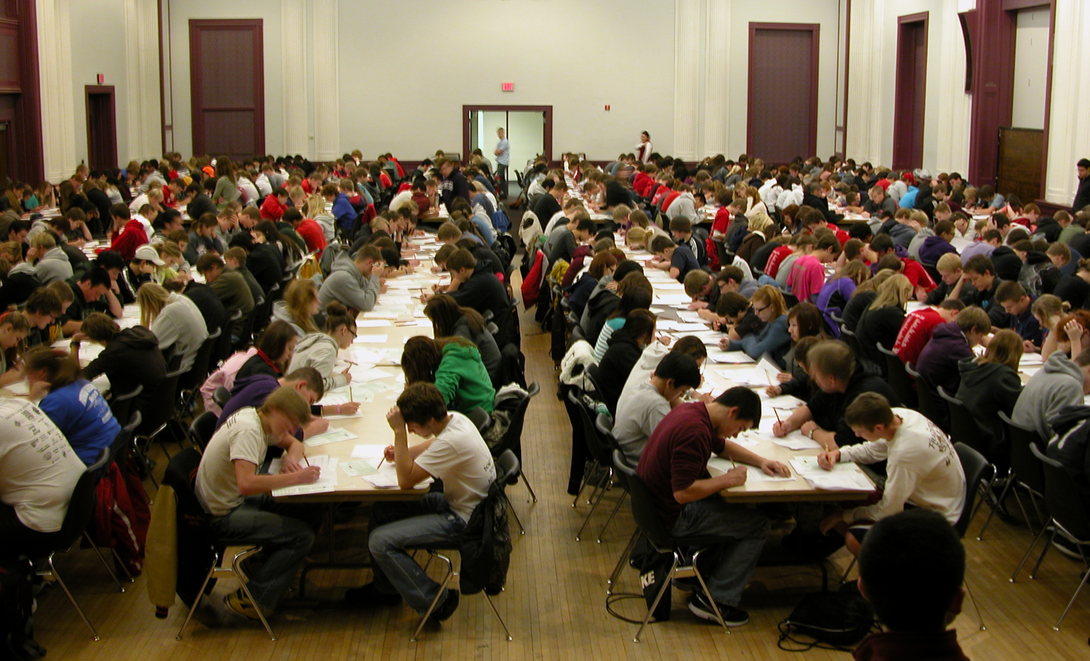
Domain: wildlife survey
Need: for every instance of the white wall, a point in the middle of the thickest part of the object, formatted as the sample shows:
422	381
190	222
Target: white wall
180	13
102	23
1068	131
407	67
1030	68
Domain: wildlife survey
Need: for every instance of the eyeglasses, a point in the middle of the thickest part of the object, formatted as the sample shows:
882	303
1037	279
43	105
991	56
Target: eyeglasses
757	310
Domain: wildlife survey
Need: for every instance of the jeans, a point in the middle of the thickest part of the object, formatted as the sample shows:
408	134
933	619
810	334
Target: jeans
501	174
285	537
395	525
743	530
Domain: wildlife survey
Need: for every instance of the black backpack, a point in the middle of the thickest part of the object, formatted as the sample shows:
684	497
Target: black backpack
486	545
830	620
16	611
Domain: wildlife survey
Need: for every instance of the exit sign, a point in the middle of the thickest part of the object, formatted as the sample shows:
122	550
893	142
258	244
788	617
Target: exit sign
507	87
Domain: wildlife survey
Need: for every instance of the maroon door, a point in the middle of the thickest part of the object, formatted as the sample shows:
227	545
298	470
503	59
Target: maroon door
101	127
228	87
783	79
910	91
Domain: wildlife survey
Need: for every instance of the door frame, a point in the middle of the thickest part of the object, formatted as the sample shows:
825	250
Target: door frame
196	26
97	90
815	50
548	138
901	139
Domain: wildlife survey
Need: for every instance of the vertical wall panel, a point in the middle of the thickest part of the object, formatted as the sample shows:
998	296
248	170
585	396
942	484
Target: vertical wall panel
1068	131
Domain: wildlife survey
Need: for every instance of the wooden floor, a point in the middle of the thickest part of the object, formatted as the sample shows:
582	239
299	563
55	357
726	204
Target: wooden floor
554	603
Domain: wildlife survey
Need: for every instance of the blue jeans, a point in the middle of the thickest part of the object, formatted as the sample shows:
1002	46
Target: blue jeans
743	530
285	538
395	525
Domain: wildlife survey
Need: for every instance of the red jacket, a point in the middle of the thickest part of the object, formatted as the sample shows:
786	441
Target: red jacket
271	209
669	199
312	235
917	274
642	183
772	266
916	333
125	242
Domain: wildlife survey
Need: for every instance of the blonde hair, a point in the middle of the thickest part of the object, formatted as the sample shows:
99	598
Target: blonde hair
759	221
770	296
151	298
43	240
298	297
856	270
1005	348
897	290
287	401
316	206
1048	306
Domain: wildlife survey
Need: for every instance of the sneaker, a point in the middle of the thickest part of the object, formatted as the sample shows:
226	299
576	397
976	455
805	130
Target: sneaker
368	596
447	608
238	603
732	617
1067	547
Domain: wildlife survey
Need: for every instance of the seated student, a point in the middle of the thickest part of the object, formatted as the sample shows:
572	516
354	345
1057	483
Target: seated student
72	403
1018	306
128	233
174	319
625	347
86	289
235	259
654	352
454	366
239	499
772	336
275	349
224	377
702	288
563	242
448	319
950	343
252	392
343	213
636	295
675	259
229	286
320	350
673	464
307	228
14	328
1061	382
761	228
129	358
454	453
202	238
950	271
836	293
934	247
300	307
918	327
275	205
603	265
473	286
777	272
804	320
839	380
262	260
915	601
981	273
798	382
40	471
682	232
50	262
733	278
43	309
922	467
989	384
807	275
643	405
354	281
882	320
1060	256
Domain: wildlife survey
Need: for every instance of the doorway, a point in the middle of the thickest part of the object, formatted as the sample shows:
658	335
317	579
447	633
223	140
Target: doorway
101	127
529	129
227	75
5	167
782	118
908	112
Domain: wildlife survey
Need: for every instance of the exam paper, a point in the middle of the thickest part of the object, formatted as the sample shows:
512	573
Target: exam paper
839	481
728	357
753	474
334	435
327	480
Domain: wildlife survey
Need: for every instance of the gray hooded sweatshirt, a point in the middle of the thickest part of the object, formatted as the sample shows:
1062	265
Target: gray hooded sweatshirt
1058	384
347	285
53	266
319	351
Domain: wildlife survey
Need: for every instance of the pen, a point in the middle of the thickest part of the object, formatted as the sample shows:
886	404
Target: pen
305	460
351	363
380	462
777	413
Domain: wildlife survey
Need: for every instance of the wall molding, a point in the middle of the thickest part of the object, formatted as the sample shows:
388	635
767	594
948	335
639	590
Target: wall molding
58	102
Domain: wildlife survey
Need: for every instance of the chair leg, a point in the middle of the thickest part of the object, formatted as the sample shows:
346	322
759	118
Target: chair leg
511	508
53	570
621	561
1085	575
1025	514
529	488
586	480
1051	539
844	576
1002	499
102	558
658	598
200	596
236	568
497	614
708	593
620	501
1029	551
976	606
442	590
599	495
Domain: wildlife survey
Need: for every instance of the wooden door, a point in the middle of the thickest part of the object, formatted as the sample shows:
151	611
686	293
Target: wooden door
783	84
101	127
910	94
1020	155
228	87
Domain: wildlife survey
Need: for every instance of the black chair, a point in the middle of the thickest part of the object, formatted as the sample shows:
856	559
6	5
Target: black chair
121	403
621	471
604	424
1069	519
221	397
512	438
233	327
978	473
246	329
964	429
926	397
189	383
898	378
202	428
599	452
159	415
1026	471
507	470
852	340
81	507
652	528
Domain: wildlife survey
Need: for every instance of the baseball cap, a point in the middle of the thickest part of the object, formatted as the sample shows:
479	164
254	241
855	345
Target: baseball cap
149	254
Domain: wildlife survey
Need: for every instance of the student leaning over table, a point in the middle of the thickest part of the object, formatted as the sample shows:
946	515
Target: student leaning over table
454	366
320	350
354	281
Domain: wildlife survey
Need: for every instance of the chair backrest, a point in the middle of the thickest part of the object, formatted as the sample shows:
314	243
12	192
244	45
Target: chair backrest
480	418
976	469
162	408
199	371
852	340
81	506
508	468
512	438
604	424
233	326
647	515
1062	498
1025	466
898	378
926	396
595	445
202	428
221	397
963	426
121	404
121	441
622	471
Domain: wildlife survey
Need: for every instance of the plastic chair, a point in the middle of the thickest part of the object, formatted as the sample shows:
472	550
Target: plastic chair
1069	519
599	453
898	378
1026	471
158	417
221	396
978	472
81	508
604	425
202	428
507	470
622	470
926	398
964	429
121	404
512	438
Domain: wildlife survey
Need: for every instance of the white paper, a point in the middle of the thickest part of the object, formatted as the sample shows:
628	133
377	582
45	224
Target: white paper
1031	359
839	481
799	443
805	465
368	451
373	323
729	357
753	474
334	435
358	468
327	480
371	339
782	402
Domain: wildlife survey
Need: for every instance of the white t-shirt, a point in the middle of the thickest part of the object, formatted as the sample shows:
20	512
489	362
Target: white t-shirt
639	410
241	437
459	457
38	468
923	468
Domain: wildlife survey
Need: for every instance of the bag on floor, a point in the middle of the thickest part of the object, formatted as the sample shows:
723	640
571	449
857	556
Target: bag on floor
828	620
16	612
654	568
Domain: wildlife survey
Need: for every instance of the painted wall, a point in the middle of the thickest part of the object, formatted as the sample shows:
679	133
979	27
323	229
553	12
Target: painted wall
1030	68
102	23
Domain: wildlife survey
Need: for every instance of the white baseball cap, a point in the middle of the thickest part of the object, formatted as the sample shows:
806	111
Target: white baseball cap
149	254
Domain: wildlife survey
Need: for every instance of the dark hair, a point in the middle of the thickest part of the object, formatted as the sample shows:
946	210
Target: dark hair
809	319
337	315
626	267
747	402
44	301
275	339
311	376
691	346
881	243
292	215
120	210
634	298
444	313
869	410
420	359
907	592
980	264
97	276
681	368
109	259
639	323
208	261
421	403
461	259
833	358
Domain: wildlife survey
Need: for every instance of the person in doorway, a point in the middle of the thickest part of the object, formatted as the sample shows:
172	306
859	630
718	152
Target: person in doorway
503	160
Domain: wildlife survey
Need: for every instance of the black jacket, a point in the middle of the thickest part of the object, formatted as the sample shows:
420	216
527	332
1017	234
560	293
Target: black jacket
1082	197
985	389
132	358
617	363
264	263
484	293
210	305
828	408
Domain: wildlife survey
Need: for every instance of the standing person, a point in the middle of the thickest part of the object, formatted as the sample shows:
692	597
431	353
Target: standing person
1082	197
644	147
503	160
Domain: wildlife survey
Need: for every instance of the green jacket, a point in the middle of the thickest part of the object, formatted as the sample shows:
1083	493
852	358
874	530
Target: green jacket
463	380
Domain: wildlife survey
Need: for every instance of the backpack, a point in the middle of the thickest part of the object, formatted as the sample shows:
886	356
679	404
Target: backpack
486	545
500	220
833	620
16	611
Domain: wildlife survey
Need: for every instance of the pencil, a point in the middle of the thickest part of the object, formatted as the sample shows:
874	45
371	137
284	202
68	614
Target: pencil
351	363
305	460
380	462
777	413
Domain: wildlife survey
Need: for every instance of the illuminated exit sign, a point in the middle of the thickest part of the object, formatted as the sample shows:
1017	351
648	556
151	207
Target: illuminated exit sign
507	87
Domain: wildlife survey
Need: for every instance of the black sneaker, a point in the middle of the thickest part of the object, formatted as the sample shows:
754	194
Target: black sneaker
732	617
447	608
368	596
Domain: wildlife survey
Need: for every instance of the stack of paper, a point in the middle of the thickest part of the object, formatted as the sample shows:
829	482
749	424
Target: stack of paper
728	357
335	435
327	481
842	477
